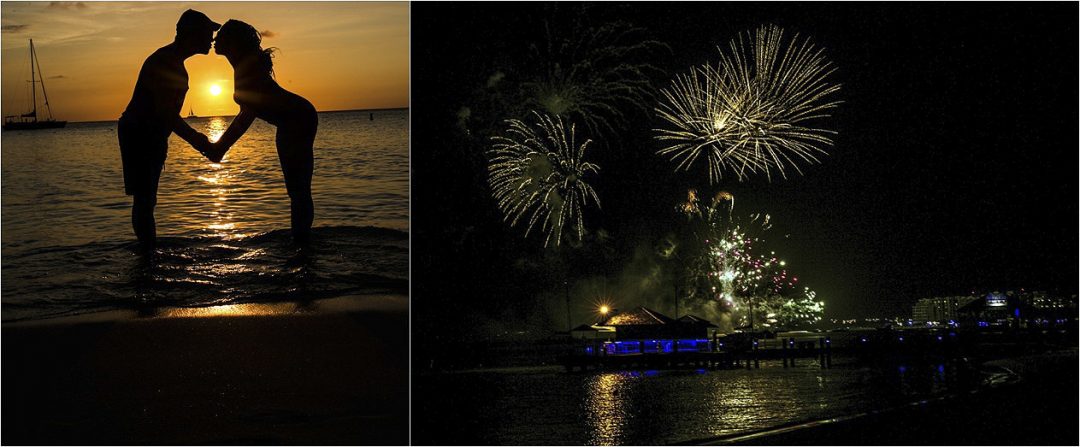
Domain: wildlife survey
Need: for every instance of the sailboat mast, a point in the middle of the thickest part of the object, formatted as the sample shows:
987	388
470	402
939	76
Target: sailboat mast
48	108
33	88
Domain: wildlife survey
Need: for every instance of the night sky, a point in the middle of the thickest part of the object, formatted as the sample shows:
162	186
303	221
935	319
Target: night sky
954	169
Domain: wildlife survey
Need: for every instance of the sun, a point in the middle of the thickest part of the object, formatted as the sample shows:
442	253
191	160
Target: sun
215	89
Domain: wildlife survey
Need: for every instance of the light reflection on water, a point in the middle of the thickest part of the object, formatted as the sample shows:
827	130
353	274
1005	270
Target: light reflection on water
232	310
222	224
651	407
735	404
605	409
215	126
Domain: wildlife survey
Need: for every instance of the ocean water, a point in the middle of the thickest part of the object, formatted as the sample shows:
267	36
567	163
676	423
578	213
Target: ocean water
223	229
547	406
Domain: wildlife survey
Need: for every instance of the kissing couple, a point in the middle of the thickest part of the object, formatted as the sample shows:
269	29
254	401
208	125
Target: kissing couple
154	113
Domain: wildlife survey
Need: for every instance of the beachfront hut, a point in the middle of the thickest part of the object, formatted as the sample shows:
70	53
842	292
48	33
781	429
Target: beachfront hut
641	322
643	330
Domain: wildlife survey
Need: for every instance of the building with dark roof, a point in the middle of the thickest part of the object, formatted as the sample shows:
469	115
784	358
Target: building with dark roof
644	330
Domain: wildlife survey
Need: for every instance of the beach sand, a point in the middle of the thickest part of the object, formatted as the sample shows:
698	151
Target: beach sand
333	372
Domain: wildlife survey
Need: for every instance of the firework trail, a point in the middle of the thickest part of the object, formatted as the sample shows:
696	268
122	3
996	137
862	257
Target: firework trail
710	214
752	112
595	75
537	174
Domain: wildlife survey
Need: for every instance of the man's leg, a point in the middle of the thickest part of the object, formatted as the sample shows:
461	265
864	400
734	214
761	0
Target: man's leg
142	210
143	158
142	218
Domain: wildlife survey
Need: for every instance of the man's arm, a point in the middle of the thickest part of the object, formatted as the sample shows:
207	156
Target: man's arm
197	140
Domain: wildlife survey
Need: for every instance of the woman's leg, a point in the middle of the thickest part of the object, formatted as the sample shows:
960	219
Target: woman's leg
296	154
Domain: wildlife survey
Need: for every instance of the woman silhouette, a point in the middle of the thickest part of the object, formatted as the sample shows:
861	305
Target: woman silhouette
259	96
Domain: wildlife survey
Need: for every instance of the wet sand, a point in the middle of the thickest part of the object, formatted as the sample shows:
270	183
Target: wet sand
328	373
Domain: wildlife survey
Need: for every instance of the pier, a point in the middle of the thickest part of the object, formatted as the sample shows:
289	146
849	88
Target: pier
880	346
717	356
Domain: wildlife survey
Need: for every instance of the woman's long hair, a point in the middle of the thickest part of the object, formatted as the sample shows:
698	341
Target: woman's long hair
248	40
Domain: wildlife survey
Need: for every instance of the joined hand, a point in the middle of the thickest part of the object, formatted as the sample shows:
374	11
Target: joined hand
209	150
214	153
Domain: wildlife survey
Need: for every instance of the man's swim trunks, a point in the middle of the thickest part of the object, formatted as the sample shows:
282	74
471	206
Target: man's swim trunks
143	151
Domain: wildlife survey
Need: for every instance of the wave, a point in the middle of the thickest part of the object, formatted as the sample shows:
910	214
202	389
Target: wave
47	282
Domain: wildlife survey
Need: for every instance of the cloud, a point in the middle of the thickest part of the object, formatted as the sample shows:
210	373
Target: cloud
13	28
67	5
266	34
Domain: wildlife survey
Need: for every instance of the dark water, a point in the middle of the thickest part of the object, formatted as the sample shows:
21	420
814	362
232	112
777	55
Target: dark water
546	406
223	228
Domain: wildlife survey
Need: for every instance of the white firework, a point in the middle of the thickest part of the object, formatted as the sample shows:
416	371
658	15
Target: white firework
537	175
596	76
753	111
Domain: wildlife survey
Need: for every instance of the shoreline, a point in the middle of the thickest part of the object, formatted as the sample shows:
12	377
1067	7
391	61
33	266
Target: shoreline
959	418
388	302
329	372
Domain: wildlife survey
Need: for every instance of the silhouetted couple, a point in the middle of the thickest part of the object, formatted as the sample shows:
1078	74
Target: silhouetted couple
154	113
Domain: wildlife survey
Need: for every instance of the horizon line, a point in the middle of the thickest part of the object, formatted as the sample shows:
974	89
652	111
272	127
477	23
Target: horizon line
225	116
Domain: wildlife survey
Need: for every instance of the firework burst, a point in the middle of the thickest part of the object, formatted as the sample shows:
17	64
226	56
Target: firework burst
537	175
595	75
753	111
721	268
728	266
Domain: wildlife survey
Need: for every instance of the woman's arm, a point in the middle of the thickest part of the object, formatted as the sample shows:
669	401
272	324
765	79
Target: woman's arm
237	127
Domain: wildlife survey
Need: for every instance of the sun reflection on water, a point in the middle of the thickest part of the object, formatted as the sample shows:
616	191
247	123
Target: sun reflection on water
215	127
232	310
219	177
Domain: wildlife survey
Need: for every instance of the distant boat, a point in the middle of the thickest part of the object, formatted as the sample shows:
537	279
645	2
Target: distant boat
191	113
30	120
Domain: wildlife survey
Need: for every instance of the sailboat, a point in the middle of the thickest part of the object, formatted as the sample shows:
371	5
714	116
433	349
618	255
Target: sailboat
30	120
191	113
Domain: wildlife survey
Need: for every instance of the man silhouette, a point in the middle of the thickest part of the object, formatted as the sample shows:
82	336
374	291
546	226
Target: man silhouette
154	113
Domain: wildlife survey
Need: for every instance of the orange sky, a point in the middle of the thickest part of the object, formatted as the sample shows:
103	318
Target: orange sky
338	55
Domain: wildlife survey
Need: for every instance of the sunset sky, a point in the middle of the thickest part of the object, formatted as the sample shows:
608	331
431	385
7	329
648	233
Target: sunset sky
338	55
